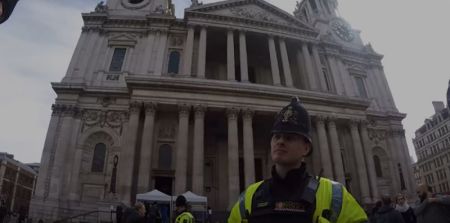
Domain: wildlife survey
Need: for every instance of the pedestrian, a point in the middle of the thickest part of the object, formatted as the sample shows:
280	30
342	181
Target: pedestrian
137	214
209	212
154	213
431	209
292	195
374	214
387	213
182	212
403	207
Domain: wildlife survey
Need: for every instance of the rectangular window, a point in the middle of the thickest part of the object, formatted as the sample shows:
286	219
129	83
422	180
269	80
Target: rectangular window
118	59
361	87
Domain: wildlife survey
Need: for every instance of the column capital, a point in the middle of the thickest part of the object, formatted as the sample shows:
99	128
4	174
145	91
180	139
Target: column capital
184	109
199	110
232	113
135	107
354	122
248	113
364	123
230	30
332	119
150	107
320	119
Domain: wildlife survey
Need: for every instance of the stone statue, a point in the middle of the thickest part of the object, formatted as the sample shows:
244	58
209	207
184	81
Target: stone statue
195	3
101	7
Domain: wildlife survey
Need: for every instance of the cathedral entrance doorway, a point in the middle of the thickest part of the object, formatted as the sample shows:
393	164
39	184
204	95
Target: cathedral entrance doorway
164	184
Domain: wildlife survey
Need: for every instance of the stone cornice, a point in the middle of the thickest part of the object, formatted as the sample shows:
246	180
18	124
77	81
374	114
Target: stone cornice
221	20
225	88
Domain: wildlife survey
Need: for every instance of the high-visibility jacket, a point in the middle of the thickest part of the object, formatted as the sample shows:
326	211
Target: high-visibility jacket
330	195
185	217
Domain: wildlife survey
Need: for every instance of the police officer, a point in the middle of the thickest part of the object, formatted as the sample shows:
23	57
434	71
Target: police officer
184	216
292	195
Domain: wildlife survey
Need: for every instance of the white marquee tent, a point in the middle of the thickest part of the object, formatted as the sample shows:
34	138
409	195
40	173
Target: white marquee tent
154	195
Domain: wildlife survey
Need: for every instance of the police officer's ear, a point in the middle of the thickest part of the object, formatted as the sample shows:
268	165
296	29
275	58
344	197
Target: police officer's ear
308	148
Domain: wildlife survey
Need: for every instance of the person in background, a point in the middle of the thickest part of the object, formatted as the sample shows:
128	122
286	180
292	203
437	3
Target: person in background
374	214
387	213
404	209
182	213
137	214
209	212
431	209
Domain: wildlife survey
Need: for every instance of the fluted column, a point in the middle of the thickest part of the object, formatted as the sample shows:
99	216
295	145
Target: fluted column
182	140
231	73
369	159
127	156
393	158
309	68
145	166
324	149
233	156
304	82
198	156
286	64
187	64
340	88
274	62
359	155
161	52
202	54
249	158
319	70
336	148
243	56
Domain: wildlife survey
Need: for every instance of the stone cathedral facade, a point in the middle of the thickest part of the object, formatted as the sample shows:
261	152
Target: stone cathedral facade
151	101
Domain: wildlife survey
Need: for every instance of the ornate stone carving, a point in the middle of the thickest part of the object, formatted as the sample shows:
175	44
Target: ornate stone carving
101	7
110	119
135	107
376	136
232	113
106	101
166	132
253	14
320	120
248	113
183	110
199	111
150	108
65	110
176	41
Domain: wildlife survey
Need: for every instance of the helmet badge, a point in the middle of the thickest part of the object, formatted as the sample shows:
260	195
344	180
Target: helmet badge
289	115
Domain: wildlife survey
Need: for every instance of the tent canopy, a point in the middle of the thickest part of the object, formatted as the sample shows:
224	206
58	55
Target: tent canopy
193	198
154	195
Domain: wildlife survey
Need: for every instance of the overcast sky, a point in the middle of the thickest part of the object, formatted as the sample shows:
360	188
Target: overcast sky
38	40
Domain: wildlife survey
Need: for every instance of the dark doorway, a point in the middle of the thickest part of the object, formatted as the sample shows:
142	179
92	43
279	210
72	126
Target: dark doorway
164	184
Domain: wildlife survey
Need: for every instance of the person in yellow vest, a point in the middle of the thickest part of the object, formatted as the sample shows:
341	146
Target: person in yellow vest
292	195
183	215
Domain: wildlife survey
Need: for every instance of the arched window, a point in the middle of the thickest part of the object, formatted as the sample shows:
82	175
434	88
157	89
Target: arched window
98	162
174	62
378	170
165	157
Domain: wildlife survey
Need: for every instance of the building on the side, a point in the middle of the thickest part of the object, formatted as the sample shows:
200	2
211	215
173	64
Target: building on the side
17	182
150	101
432	146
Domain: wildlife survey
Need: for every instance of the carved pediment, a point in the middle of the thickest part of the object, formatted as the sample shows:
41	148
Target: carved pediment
258	10
122	39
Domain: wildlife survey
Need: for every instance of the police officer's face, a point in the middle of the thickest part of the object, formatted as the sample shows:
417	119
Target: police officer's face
288	148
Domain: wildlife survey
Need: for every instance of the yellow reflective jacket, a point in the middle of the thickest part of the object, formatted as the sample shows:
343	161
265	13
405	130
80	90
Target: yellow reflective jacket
329	196
185	217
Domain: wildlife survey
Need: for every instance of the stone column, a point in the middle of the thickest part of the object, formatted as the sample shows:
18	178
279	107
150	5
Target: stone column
274	62
126	161
74	183
369	159
249	158
2	172
286	64
323	145
349	87
148	53
201	66
231	73
16	181
243	56
161	56
198	156
336	148
233	156
340	88
145	166
304	82
360	163
318	65
188	53
181	154
309	68
393	158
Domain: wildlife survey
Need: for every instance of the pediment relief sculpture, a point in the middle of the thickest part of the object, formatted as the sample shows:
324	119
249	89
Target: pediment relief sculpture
102	119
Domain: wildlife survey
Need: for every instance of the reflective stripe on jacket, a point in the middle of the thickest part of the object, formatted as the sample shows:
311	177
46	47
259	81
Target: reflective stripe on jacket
330	196
185	217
